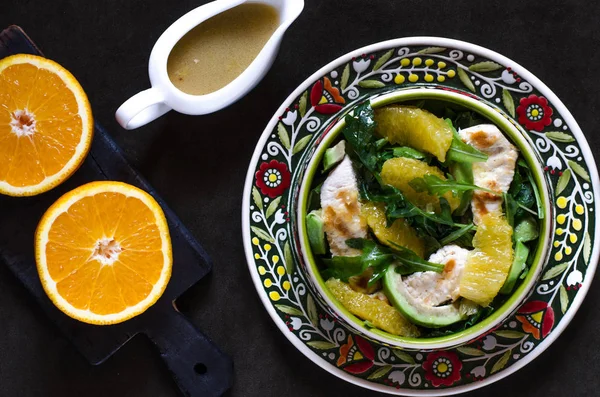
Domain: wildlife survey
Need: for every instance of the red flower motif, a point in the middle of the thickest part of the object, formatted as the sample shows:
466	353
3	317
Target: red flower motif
358	356
273	178
537	318
534	112
325	98
442	368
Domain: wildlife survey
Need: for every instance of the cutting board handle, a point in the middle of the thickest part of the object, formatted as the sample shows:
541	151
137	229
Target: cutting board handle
198	367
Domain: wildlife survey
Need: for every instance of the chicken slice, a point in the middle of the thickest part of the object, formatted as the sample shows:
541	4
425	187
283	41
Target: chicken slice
341	209
496	173
434	289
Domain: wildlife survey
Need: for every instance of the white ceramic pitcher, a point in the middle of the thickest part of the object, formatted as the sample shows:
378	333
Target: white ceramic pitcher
152	103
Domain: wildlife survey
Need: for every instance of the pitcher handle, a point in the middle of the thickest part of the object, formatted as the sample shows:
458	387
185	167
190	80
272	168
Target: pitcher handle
142	108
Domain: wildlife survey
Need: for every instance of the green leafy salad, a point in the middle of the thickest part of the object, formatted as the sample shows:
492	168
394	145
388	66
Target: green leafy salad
424	219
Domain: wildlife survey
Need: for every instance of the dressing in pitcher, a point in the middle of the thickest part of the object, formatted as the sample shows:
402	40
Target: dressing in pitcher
217	51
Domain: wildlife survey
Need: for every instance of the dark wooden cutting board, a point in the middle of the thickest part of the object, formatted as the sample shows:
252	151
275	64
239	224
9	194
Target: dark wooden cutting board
198	366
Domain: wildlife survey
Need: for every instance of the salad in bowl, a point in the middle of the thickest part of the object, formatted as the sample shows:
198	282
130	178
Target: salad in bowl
422	219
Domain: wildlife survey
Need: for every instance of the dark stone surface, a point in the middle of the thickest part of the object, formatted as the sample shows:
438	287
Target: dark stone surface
198	165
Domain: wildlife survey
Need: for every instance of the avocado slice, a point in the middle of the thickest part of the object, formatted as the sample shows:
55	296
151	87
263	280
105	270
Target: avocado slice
521	254
334	155
526	230
316	233
414	310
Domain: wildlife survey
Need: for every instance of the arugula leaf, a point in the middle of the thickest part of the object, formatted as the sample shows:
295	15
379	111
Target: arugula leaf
437	186
377	257
379	144
455	235
510	208
538	200
461	152
359	133
524	195
525	191
408	152
343	267
463	172
373	254
397	206
412	263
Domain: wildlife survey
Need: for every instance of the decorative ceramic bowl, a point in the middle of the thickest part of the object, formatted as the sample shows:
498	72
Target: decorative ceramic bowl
496	116
296	301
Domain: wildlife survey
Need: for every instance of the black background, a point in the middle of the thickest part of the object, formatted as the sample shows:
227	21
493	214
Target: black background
198	165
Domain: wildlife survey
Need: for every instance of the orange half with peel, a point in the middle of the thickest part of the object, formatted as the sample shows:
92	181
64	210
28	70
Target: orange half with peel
103	252
46	125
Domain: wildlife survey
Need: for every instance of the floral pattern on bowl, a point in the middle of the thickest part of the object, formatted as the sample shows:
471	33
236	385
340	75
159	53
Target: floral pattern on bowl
272	188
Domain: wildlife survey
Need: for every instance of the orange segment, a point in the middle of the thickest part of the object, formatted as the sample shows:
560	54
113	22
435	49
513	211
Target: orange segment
25	168
489	263
133	288
112	203
106	298
8	148
63	261
77	288
66	231
46	125
103	252
400	171
145	264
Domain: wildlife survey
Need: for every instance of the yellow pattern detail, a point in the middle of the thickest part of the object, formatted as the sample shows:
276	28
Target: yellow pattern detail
399	79
451	73
262	270
441	65
577	224
429	62
268	283
579	209
416	61
280	270
558	256
561	219
561	202
287	285
537	317
274	295
428	78
405	62
413	78
573	238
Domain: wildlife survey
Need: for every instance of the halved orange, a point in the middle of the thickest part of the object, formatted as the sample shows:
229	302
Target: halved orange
103	252
46	125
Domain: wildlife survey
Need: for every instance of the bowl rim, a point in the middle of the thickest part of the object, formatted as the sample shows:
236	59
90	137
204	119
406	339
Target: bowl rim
395	43
519	294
